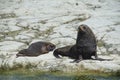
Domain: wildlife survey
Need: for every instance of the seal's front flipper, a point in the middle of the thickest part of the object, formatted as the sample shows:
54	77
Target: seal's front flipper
77	60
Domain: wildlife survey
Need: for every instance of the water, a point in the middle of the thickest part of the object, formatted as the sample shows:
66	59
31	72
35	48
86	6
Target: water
37	77
48	76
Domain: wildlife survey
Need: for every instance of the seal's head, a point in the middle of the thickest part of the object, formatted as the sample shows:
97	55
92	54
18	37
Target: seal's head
51	47
83	28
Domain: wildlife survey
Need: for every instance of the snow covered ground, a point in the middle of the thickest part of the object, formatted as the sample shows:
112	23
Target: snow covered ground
23	22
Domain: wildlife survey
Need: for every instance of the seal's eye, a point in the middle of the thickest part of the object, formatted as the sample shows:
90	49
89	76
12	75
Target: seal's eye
51	47
84	27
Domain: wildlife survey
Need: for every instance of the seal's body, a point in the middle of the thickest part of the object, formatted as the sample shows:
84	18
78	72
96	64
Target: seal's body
36	49
68	51
86	42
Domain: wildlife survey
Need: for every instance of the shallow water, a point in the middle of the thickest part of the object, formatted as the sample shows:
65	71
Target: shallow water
48	76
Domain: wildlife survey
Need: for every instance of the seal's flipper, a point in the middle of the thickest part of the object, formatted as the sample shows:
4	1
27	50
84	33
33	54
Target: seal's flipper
56	54
101	59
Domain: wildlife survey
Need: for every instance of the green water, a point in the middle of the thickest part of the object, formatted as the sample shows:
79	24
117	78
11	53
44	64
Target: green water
37	75
54	77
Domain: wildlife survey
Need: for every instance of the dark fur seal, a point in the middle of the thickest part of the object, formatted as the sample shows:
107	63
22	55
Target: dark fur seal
86	43
85	47
68	51
36	49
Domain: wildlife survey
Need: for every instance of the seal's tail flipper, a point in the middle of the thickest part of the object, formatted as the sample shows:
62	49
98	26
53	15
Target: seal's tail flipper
101	59
21	53
18	55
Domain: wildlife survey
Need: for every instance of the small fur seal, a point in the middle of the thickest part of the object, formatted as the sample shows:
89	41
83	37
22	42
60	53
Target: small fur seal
36	49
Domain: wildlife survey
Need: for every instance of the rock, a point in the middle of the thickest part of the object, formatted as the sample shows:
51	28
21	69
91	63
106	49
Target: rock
57	21
112	37
10	45
66	31
63	41
23	38
9	28
104	66
14	28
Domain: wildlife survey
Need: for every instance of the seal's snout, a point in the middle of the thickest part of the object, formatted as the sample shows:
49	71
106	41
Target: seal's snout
82	28
52	47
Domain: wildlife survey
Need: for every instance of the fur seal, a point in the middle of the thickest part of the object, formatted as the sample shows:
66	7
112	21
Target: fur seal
85	47
86	43
36	49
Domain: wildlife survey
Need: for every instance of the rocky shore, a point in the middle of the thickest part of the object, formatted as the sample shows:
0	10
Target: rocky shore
23	22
